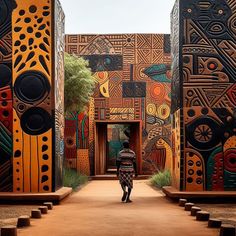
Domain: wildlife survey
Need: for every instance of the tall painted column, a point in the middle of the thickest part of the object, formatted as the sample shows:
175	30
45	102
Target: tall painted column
38	83
203	94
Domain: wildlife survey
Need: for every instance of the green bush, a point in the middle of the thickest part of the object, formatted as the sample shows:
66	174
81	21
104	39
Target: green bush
73	179
161	179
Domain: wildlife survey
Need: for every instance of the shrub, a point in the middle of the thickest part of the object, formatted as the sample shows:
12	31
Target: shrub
162	178
73	179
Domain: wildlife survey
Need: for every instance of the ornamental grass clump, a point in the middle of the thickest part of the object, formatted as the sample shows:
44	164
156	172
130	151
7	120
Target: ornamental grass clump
73	179
161	179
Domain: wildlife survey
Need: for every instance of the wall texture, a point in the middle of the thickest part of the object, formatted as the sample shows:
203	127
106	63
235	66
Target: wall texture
133	71
31	111
203	94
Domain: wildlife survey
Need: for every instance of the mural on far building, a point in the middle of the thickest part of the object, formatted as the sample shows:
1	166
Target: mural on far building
134	84
203	93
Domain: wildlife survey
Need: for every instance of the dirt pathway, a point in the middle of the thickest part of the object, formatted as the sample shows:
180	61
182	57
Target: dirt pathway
96	210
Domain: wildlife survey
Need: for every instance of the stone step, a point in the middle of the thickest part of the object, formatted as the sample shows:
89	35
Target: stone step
36	213
214	223
23	221
202	216
188	206
9	230
182	202
227	230
43	209
49	205
194	210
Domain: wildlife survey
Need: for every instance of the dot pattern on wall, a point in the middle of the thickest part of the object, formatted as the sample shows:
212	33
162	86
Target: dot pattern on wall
203	91
37	96
6	181
132	75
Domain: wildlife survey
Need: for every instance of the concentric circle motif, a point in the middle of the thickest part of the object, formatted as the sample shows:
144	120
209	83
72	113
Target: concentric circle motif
151	109
163	111
230	160
158	92
36	121
31	87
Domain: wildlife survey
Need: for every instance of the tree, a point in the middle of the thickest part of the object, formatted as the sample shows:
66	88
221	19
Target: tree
79	84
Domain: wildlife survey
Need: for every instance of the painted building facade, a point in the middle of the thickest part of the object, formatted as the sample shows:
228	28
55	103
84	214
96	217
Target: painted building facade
31	96
132	101
203	94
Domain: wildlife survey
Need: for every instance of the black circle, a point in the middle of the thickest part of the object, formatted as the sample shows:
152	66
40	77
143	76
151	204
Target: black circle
44	178
186	59
44	168
23	48
45	188
30	30
38	34
190	180
45	157
198	163
33	9
191	113
4	95
5	75
5	113
21	107
22	36
18	189
36	121
199	173
27	20
45	139
17	43
31	87
190	163
205	111
4	103
191	154
21	12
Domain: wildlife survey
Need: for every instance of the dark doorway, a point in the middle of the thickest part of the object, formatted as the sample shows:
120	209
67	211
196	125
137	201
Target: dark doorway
108	142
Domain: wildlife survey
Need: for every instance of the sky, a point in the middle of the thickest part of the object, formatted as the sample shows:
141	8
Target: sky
117	16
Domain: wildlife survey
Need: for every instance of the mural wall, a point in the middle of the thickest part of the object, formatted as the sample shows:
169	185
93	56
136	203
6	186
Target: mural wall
134	83
203	94
28	99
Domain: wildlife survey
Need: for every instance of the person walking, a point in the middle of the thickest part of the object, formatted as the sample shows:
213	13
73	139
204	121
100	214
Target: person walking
126	168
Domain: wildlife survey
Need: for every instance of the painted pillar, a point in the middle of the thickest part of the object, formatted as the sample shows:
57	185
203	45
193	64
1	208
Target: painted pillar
34	143
203	94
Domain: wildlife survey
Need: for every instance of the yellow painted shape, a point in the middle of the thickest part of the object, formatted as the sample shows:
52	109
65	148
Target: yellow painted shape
163	111
17	161
161	143
83	165
26	163
230	143
104	89
151	109
47	162
46	20
34	164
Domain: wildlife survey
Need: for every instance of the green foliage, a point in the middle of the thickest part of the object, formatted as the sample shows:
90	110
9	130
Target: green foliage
161	179
73	179
79	84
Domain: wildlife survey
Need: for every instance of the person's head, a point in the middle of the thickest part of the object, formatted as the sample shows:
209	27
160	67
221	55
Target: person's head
126	144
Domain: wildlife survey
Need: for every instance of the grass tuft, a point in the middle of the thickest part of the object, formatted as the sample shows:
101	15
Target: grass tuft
73	179
161	179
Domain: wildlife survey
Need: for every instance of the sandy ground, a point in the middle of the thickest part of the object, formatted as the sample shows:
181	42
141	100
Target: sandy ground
10	213
224	212
96	210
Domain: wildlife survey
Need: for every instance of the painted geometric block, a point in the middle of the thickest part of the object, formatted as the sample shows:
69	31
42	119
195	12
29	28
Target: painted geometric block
83	165
203	91
37	85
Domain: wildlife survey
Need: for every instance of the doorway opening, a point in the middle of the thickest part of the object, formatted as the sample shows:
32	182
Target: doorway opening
109	138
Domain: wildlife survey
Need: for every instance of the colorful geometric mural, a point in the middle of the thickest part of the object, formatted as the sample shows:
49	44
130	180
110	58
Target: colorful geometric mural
134	83
203	92
29	105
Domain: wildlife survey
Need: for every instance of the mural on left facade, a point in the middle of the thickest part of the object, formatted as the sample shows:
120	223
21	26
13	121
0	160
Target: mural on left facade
27	95
133	73
6	180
